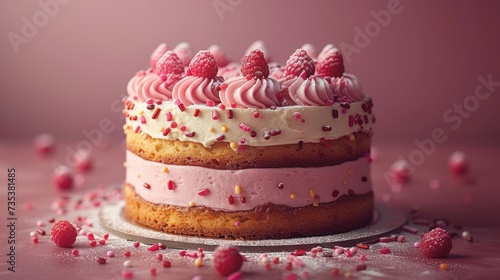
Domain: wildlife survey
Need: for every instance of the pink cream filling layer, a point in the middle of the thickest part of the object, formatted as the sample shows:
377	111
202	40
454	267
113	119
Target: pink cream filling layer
240	190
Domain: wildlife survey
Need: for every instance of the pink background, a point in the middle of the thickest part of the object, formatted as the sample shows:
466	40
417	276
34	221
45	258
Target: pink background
72	71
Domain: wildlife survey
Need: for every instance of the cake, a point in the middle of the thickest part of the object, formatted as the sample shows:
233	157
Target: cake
252	150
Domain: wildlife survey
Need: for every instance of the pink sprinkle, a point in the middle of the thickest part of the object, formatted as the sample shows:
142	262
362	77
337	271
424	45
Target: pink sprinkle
362	257
215	115
234	276
190	134
203	192
300	252
339	251
40	224
93	243
40	231
348	253
171	185
173	125
153	247
385	239
106	236
210	103
236	224
192	254
196	112
245	127
102	242
127	274
183	128
401	239
181	107
222	106
297	115
159	257
416	244
385	251
410	229
153	271
229	114
166	131
255	114
35	239
110	254
101	260
143	119
182	253
149	101
169	116
156	113
177	101
329	102
353	250
360	267
136	244
74	252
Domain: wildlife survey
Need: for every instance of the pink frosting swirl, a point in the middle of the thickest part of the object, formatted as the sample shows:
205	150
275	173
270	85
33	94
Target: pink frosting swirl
347	88
313	91
229	71
149	85
253	93
194	90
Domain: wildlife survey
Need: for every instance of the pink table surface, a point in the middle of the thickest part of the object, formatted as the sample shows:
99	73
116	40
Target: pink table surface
471	202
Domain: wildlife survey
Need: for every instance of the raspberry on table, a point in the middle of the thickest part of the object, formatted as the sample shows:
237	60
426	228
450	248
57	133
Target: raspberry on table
63	234
299	64
332	65
203	65
255	65
436	243
227	260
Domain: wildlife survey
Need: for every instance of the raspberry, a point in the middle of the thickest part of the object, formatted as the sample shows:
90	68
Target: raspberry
63	234
203	65
169	63
255	65
436	243
227	260
159	52
219	55
332	65
63	178
299	64
310	50
184	52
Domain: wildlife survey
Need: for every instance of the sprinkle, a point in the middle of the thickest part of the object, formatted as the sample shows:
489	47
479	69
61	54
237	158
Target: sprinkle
164	169
255	114
362	257
141	113
385	239
360	267
344	182
153	271
316	201
40	224
203	192
167	264
351	121
267	135
443	266
153	248
127	253
465	234
40	231
281	186
222	106
224	128
35	239
169	116
198	262
297	115
128	263
352	137
233	145
237	189
401	238
345	105
182	253
385	251
74	252
102	242
149	101
171	185
196	112
275	132
220	137
230	199
190	134
299	252
192	254
93	243
235	275
293	196
416	244
363	246
237	224
145	185
351	192
311	193
244	127
215	115
243	199
156	113
181	107
110	254
210	103
409	229
173	125
229	114
105	236
191	203
335	113
101	260
166	131
326	128
253	134
127	274
335	193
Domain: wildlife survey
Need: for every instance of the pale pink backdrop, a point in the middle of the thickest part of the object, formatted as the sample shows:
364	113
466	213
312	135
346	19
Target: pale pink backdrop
68	74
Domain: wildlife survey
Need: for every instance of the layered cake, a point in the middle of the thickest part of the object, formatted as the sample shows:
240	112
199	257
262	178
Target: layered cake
250	150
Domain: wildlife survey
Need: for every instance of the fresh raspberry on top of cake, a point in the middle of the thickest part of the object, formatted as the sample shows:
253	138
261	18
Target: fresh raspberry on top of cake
299	64
169	63
203	65
332	65
310	50
220	56
184	52
157	54
255	65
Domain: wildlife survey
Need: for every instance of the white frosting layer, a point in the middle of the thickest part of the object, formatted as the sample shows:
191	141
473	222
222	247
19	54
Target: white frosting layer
300	186
243	126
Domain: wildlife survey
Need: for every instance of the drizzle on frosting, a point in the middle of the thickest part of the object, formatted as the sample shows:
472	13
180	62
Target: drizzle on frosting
194	90
254	93
347	87
313	91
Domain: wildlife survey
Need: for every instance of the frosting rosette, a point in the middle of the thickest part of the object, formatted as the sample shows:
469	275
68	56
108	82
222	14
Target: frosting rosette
347	88
312	91
146	85
240	92
195	90
229	71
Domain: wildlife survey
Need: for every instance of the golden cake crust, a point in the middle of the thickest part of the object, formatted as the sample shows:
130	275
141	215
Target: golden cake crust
264	222
221	156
